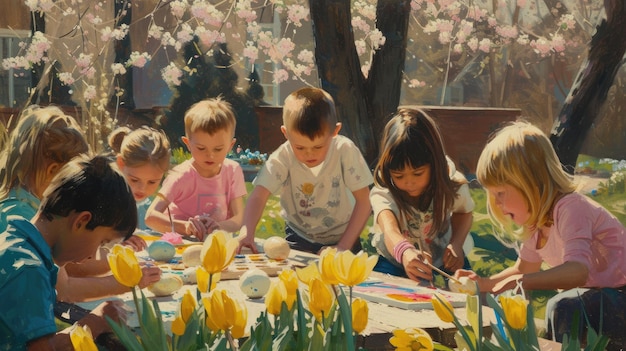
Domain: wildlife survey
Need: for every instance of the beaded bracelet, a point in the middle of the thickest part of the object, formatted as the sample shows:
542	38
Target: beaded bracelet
399	249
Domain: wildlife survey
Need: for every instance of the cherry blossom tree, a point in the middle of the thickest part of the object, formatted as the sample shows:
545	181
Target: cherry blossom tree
370	55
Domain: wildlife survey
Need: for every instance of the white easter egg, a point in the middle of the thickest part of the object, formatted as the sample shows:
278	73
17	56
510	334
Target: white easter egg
276	248
161	251
189	275
254	283
191	256
466	286
168	284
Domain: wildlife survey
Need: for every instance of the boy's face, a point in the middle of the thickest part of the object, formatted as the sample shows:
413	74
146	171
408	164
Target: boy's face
311	152
83	244
209	151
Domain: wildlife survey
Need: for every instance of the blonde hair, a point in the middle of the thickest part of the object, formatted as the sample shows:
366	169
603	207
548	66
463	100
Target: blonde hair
310	112
42	136
210	116
141	146
521	155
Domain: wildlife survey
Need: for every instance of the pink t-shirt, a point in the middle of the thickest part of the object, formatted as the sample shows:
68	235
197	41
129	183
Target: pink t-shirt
190	194
583	231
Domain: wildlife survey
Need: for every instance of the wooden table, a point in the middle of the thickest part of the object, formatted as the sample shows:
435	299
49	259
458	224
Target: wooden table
383	319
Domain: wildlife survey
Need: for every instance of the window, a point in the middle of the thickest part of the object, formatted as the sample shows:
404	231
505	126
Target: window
14	85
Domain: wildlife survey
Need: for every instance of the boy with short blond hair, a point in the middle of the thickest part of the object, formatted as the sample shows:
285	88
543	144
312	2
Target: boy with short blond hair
322	178
206	192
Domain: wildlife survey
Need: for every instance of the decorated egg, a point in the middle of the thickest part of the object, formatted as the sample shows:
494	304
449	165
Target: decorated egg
189	275
276	248
464	286
254	283
161	251
191	256
168	284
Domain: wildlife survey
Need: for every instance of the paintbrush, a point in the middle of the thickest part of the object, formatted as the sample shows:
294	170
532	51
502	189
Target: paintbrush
419	247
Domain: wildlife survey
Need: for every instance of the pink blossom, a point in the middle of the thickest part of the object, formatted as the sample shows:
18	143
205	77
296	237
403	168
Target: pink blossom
185	34
207	13
106	33
377	39
155	31
297	13
507	32
178	8
414	83
66	78
90	93
138	59
521	3
171	74
541	46
251	52
485	45
88	72
244	10
360	24
473	44
210	37
558	43
306	56
280	76
118	68
567	21
365	9
361	46
285	46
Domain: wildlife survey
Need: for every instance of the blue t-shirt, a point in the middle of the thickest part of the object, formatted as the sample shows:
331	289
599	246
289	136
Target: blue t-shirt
142	209
27	279
20	202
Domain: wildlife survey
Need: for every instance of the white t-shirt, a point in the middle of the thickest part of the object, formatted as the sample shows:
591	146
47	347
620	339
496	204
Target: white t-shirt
317	206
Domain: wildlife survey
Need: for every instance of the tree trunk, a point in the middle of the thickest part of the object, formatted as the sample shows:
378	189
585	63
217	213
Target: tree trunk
384	82
592	84
340	71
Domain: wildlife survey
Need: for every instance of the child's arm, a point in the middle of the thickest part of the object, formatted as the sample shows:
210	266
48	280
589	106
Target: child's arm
80	289
158	219
358	219
506	279
454	256
412	260
96	321
233	224
251	216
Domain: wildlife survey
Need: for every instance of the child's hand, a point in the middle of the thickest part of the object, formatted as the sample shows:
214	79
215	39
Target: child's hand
196	227
416	265
453	258
483	283
116	310
209	223
150	275
246	241
136	243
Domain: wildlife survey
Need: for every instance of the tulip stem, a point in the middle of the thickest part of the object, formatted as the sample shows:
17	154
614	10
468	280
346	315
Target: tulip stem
231	341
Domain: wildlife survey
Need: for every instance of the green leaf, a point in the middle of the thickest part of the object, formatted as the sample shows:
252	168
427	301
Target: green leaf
345	312
125	335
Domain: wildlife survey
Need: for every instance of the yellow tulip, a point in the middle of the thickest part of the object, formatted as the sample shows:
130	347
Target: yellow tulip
360	311
345	267
202	279
307	273
289	278
82	340
411	339
515	311
275	296
353	269
321	298
442	308
224	313
124	265
326	266
185	309
218	251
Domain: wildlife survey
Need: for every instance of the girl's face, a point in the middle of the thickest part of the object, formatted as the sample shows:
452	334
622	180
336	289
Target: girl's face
511	202
209	151
143	180
412	181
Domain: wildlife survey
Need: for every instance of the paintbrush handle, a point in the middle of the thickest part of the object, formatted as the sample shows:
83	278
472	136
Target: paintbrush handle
443	273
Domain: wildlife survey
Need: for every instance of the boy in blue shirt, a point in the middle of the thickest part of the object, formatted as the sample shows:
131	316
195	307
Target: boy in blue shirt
87	204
